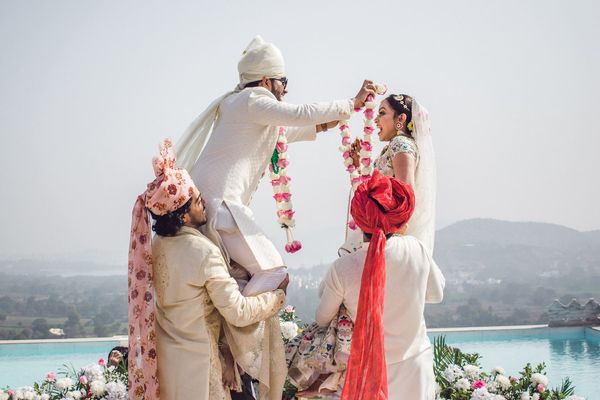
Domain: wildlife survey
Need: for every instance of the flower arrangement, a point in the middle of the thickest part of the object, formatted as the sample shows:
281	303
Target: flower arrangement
460	377
289	323
94	382
282	194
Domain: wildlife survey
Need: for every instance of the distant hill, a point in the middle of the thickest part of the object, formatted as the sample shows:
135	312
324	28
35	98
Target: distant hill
58	267
486	248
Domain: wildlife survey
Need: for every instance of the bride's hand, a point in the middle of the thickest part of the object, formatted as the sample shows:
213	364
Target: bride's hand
367	88
354	152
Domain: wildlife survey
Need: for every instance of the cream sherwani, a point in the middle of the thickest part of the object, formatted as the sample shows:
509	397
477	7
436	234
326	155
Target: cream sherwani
412	279
237	154
195	295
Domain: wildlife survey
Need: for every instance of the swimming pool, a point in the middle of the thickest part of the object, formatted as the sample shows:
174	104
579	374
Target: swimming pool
572	352
25	362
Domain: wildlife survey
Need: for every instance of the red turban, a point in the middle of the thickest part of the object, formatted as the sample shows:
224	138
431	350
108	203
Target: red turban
380	207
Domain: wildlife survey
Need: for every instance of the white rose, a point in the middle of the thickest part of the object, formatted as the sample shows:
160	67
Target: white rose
289	329
452	373
472	371
525	396
116	391
462	384
538	378
503	381
75	395
498	371
98	387
64	383
480	394
536	396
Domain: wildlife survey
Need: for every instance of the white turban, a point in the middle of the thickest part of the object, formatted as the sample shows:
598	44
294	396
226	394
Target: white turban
260	59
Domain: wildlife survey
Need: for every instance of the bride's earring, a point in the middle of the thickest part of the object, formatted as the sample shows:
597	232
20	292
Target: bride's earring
399	127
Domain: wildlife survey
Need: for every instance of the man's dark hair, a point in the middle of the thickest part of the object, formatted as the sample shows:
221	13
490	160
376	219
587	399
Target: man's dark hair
170	223
252	84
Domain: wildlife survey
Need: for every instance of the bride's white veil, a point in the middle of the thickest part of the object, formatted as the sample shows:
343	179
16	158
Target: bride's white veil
422	222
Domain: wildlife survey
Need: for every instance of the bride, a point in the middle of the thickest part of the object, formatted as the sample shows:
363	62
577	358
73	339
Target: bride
317	358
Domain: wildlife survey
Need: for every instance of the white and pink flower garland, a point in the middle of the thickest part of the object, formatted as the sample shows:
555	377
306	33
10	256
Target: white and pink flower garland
280	182
365	168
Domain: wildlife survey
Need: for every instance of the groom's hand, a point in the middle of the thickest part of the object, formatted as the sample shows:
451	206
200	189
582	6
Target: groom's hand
326	125
367	88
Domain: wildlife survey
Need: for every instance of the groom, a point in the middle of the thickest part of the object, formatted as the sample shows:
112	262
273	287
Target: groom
228	147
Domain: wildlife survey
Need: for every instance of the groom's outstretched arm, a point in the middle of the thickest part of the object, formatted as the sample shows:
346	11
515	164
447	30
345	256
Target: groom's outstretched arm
332	297
237	309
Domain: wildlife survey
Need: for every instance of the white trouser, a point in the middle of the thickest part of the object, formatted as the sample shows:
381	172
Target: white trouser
237	247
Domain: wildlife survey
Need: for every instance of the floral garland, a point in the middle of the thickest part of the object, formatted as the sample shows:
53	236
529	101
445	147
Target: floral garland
282	194
365	168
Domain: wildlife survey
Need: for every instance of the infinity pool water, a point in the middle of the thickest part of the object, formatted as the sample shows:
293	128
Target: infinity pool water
567	352
24	363
572	352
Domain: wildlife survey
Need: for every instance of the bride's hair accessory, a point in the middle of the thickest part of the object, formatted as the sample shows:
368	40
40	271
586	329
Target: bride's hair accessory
283	196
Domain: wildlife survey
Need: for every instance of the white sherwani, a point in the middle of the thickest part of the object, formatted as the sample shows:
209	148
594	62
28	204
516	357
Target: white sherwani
195	295
238	152
412	279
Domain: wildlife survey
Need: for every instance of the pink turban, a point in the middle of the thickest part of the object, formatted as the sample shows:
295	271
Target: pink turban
171	189
380	207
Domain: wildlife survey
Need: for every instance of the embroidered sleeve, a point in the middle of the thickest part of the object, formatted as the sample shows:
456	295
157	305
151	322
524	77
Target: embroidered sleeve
403	144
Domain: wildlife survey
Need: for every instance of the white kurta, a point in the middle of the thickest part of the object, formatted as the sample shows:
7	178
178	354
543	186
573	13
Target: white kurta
238	153
194	294
412	279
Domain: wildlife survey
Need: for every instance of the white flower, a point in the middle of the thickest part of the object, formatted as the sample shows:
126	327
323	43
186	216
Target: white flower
45	396
93	372
75	395
536	396
480	394
116	391
98	387
575	398
538	378
289	329
503	381
472	371
498	371
64	383
525	396
370	104
3	396
452	373
462	384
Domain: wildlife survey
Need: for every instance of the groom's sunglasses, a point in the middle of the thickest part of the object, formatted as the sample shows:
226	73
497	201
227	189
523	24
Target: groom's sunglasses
284	81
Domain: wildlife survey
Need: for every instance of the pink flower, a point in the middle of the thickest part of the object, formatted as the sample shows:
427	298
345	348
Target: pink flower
346	141
365	161
478	384
282	147
356	180
289	214
541	388
282	196
351	168
289	308
352	225
284	179
368	130
276	182
281	130
367	146
357	109
283	163
11	392
369	114
343	126
346	154
101	362
293	246
51	376
512	379
83	380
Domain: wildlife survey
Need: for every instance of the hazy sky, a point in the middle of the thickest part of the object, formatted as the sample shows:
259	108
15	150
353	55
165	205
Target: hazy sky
89	88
